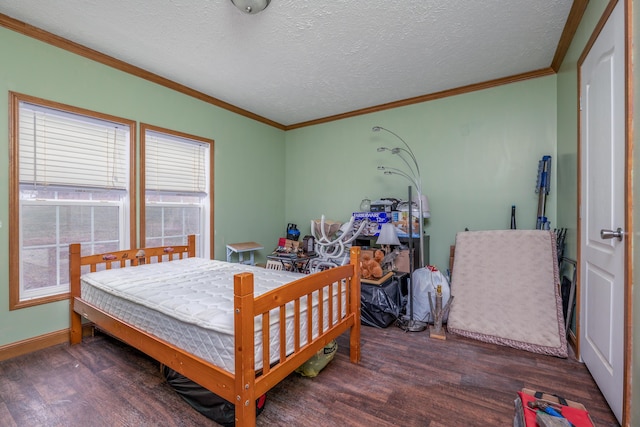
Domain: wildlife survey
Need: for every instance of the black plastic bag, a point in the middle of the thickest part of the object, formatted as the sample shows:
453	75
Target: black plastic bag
380	305
204	401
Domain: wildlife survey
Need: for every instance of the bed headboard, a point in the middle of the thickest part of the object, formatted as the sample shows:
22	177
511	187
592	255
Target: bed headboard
133	257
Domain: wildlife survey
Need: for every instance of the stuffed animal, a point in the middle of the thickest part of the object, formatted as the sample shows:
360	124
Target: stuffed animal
365	262
370	267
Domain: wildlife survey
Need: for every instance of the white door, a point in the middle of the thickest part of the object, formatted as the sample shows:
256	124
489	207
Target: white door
602	91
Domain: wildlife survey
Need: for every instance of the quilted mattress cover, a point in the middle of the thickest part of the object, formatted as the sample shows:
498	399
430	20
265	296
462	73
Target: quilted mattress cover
505	288
189	303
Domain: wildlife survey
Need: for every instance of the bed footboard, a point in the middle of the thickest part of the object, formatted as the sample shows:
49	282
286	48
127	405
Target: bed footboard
334	282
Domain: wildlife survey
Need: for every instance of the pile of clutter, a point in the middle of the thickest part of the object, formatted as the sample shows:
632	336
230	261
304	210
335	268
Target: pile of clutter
535	408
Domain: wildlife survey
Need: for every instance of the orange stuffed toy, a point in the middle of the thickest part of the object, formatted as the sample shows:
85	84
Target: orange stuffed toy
370	267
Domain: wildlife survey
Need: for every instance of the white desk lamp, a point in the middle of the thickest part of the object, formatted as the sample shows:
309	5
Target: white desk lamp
386	238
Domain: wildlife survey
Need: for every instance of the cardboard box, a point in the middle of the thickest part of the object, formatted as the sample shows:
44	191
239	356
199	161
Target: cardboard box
402	261
376	219
399	220
288	244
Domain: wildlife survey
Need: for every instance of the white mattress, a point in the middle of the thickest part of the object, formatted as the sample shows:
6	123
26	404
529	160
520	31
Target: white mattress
189	303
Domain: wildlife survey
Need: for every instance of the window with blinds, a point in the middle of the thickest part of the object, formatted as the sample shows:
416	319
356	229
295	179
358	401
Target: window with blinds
175	165
71	171
177	187
59	149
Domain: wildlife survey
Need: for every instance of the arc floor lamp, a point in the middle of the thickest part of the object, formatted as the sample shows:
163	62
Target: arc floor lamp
412	174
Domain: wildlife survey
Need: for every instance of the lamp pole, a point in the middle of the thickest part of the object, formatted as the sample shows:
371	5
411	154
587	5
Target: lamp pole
414	178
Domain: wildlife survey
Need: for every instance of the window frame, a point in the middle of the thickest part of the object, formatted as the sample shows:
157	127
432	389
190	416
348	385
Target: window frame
144	127
14	189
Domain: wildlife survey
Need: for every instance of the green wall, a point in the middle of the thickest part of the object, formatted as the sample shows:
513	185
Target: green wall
248	154
478	155
567	101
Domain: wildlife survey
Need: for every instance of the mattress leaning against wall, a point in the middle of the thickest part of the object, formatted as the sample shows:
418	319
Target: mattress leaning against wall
505	284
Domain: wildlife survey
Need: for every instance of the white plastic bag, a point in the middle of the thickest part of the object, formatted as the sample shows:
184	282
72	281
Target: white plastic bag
425	280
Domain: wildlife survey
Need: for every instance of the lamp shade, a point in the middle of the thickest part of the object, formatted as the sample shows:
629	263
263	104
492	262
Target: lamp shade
426	210
388	235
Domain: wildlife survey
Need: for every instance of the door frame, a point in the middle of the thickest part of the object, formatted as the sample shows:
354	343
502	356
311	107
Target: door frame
628	188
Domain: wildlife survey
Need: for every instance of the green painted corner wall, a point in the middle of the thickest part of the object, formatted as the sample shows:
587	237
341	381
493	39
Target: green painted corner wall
567	101
249	156
478	154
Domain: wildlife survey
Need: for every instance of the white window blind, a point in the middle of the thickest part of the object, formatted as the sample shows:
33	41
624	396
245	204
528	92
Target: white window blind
174	164
65	149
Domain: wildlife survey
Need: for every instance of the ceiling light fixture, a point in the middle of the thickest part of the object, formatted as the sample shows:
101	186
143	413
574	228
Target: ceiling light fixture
251	6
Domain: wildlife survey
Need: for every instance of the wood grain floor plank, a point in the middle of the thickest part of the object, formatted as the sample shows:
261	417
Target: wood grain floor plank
404	379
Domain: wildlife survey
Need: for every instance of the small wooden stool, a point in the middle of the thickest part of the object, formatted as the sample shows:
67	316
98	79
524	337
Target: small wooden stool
240	249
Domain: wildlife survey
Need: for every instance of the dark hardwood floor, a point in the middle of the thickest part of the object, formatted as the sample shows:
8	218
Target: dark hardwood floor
404	379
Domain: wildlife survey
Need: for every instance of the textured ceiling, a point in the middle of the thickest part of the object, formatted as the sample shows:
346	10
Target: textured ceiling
302	60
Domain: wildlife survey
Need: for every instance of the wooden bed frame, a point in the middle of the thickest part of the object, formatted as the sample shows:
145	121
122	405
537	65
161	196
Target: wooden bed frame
247	384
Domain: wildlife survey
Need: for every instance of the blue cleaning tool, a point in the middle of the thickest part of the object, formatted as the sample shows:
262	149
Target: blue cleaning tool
547	408
542	188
